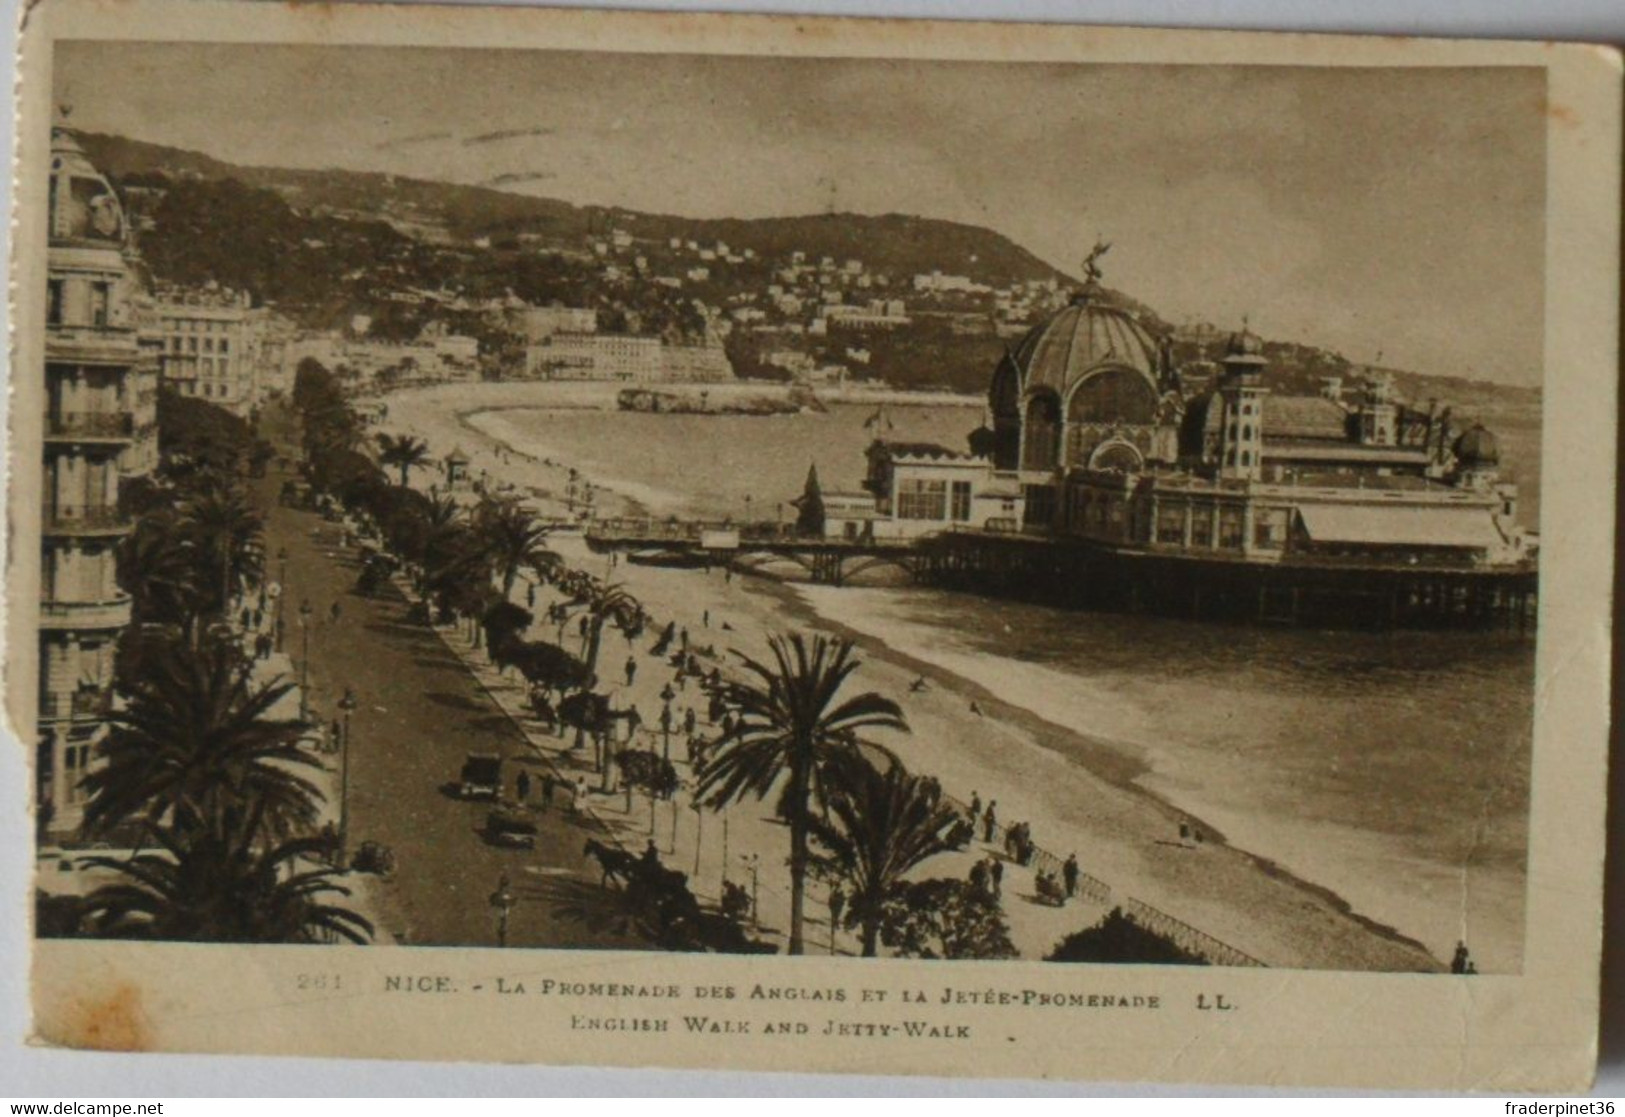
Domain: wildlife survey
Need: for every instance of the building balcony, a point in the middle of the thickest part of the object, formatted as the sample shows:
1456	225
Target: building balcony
91	345
83	519
81	705
90	426
82	615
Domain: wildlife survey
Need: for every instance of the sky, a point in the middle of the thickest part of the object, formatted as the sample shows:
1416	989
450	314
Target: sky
1395	215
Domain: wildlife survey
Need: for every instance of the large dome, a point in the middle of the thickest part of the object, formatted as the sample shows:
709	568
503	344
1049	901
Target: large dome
1083	338
83	205
1477	448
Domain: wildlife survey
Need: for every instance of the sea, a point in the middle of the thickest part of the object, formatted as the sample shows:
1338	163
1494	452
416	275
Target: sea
1390	768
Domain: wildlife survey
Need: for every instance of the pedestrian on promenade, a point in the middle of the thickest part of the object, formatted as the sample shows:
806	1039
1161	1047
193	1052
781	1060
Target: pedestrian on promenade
522	787
975	806
246	617
547	791
582	626
530	595
979	879
262	646
1069	874
631	670
683	637
990	819
259	618
690	721
707	618
996	873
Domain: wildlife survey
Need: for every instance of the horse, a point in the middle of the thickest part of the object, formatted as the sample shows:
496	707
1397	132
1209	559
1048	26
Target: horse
615	863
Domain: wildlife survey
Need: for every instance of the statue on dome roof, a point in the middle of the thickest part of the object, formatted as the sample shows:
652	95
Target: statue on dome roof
1091	269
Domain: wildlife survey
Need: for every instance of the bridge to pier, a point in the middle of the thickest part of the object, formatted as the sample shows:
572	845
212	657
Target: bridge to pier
752	545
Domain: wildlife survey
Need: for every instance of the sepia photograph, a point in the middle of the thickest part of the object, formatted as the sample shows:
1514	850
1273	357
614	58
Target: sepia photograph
1065	513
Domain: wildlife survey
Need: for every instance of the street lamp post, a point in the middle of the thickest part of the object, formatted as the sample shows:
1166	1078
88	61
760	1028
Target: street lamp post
751	861
281	594
304	660
699	833
502	900
347	704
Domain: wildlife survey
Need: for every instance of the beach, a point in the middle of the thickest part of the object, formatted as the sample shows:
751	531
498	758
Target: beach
1084	757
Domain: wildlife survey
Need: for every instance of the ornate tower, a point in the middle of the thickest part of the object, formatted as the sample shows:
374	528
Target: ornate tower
1378	415
1241	430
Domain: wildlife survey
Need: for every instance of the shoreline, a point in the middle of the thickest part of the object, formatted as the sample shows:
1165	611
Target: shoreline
1247	899
1105	761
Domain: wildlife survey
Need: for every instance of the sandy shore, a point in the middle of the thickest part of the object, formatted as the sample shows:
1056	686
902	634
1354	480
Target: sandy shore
1120	832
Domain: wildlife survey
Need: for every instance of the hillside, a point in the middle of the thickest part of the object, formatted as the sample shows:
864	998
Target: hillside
325	245
896	244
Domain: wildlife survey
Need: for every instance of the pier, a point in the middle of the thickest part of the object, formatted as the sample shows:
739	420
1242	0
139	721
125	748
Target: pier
1079	574
753	546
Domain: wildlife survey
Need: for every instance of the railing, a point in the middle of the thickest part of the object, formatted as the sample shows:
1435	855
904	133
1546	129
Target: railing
80	704
685	531
83	517
1185	936
91	424
114	612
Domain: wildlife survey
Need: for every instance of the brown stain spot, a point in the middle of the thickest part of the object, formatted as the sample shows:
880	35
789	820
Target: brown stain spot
112	1022
1562	114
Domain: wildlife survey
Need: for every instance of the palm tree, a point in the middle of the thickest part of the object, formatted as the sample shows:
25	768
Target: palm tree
157	567
220	888
792	723
403	451
606	601
193	747
512	540
228	533
883	823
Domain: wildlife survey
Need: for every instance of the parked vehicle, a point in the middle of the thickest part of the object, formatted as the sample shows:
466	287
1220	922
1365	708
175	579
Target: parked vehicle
510	826
481	777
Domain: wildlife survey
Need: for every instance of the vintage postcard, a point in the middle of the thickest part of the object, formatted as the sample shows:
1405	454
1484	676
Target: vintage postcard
771	543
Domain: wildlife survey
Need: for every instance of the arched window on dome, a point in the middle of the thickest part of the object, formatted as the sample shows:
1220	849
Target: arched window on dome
1041	433
1004	399
1118	455
1113	395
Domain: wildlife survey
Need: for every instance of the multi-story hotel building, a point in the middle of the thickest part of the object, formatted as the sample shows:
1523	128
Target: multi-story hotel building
98	401
210	346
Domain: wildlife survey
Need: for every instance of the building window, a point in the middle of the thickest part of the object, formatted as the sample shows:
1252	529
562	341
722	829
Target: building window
1202	526
101	303
1230	526
1171	523
922	500
53	303
1246	458
961	510
75	766
1269	528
